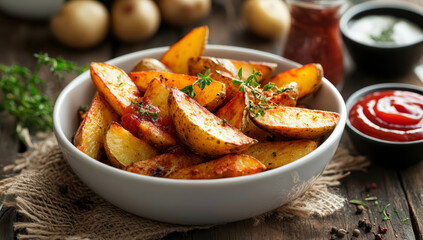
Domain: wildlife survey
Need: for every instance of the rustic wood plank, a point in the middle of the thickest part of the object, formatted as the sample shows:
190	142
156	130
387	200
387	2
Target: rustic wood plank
412	182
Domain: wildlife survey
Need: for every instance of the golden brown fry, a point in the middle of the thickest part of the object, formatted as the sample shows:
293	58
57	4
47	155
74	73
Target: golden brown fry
236	111
191	45
203	132
158	93
265	68
123	148
150	64
89	136
308	77
287	98
163	165
232	165
277	154
210	97
114	85
154	135
297	122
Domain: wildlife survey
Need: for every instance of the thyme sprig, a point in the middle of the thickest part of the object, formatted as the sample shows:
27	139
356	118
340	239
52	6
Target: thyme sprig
202	81
21	92
147	109
261	101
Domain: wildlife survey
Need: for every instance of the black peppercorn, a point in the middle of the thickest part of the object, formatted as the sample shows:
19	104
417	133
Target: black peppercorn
334	230
361	223
368	227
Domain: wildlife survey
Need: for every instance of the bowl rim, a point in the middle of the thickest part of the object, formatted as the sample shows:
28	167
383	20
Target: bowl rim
371	5
374	88
66	144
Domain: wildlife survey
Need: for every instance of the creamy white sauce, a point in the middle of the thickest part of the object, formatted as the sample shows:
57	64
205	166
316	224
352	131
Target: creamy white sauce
368	30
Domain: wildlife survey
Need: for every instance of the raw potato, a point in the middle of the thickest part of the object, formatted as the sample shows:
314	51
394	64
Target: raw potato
232	165
201	131
81	24
89	136
123	148
190	46
184	12
308	77
264	68
277	154
236	111
267	18
114	85
135	20
297	122
211	97
163	165
150	64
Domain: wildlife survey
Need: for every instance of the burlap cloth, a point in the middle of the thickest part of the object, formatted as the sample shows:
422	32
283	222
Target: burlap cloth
54	204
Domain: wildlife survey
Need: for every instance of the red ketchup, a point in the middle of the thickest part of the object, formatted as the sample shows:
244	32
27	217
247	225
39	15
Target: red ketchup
315	37
392	115
133	115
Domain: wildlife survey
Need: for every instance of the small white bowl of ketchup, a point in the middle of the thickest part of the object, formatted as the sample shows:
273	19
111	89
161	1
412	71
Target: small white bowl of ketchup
385	122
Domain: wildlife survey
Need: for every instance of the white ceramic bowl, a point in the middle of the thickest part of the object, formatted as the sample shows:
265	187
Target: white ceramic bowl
195	201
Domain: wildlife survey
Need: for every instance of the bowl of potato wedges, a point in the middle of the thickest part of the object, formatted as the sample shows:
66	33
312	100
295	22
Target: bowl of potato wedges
199	134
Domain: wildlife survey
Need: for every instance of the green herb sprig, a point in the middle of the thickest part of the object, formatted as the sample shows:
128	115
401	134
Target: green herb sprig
21	95
358	202
387	215
385	35
261	101
202	81
146	109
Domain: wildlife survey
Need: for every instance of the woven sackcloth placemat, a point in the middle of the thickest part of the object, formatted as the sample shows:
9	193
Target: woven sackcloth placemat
54	204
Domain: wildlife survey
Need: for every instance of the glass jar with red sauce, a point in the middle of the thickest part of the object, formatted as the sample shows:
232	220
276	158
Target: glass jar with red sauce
391	115
315	37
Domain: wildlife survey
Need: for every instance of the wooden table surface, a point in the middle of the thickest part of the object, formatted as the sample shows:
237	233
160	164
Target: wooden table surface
403	189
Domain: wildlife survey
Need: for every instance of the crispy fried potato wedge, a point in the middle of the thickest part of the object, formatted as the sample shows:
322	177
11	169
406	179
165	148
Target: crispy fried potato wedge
276	154
287	98
297	122
232	165
308	77
236	111
202	64
211	97
265	68
158	93
257	133
226	78
89	136
123	148
191	45
163	165
114	85
203	132
150	64
154	135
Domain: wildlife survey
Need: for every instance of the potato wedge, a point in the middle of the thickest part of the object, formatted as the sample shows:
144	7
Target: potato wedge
154	135
257	133
158	93
191	45
123	148
308	77
287	98
236	111
226	78
276	154
297	122
114	85
203	132
89	136
202	64
150	64
163	165
232	165
265	68
211	97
